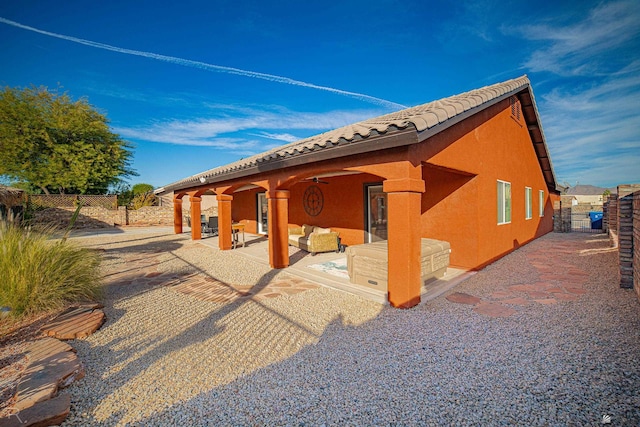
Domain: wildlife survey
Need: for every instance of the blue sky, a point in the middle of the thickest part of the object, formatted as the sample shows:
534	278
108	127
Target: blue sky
194	85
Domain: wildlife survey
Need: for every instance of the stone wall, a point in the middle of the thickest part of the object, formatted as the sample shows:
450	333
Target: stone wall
151	215
636	242
99	217
562	215
625	240
612	219
605	216
89	217
626	233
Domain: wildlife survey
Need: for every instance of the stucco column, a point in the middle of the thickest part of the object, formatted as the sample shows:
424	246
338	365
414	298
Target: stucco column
177	216
278	218
404	233
224	221
196	228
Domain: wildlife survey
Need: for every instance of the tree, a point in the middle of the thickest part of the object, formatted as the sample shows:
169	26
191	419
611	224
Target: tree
142	196
59	145
137	196
141	188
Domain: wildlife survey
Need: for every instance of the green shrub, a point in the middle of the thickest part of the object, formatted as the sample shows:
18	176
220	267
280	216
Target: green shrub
39	273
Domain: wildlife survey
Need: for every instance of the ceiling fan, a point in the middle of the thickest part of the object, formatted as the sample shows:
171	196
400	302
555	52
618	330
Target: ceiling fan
316	180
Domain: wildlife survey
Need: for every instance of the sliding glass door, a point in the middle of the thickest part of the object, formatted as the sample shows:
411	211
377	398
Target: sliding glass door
376	215
263	227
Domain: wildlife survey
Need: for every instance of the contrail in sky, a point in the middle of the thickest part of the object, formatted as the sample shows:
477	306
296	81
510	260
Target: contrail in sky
209	67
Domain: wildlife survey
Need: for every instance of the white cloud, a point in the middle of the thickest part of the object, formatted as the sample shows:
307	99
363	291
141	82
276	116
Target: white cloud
586	47
232	127
286	137
593	133
589	68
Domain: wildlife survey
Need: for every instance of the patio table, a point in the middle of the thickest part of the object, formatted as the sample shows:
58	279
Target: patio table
236	228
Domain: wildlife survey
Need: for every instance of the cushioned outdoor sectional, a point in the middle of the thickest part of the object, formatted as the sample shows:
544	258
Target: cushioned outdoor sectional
313	239
367	263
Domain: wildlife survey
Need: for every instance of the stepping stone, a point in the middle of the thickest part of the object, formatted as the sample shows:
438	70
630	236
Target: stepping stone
76	322
46	347
46	374
501	294
542	286
493	309
523	288
537	294
51	412
462	298
577	291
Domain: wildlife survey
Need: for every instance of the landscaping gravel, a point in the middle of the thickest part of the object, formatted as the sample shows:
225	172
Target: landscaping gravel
325	357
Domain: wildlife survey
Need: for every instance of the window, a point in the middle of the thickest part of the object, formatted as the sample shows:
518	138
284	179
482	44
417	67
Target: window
528	201
541	194
504	202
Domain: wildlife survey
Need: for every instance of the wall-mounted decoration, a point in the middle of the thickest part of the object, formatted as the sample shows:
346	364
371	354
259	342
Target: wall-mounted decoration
313	200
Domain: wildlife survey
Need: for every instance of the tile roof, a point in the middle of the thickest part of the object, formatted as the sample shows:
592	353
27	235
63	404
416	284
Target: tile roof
422	118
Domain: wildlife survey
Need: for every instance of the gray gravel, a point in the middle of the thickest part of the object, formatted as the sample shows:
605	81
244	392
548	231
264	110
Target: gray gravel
324	357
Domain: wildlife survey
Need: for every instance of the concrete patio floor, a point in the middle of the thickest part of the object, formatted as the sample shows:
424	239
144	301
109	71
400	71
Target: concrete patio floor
256	249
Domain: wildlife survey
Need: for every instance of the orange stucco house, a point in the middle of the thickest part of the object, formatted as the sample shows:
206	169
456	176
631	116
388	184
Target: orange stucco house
472	169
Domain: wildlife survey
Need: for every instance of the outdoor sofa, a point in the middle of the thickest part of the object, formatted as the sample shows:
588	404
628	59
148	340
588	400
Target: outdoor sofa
313	239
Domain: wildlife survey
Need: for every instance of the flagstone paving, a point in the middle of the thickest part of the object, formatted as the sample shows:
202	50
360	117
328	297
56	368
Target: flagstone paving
560	281
203	286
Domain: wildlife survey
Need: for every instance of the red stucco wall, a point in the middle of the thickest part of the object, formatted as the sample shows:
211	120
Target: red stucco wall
460	167
492	145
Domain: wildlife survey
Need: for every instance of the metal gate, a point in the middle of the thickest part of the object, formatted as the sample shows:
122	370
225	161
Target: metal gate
586	222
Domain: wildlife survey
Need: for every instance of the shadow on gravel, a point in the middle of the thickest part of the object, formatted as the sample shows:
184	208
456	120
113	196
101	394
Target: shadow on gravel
567	364
120	350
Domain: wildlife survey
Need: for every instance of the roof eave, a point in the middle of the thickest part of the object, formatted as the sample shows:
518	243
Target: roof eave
533	125
391	139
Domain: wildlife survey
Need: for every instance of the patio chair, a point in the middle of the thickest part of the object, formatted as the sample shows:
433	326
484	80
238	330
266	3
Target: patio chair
211	226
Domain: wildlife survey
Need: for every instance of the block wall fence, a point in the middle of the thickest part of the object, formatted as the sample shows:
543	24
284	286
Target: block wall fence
99	217
622	220
636	242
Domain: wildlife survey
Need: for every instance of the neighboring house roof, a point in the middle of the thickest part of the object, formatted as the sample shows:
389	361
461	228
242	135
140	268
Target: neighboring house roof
422	121
588	190
10	196
6	189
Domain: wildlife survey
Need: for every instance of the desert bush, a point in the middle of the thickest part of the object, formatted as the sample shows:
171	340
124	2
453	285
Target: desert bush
39	273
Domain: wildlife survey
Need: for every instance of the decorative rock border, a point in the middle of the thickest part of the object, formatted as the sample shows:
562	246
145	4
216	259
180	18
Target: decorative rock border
53	365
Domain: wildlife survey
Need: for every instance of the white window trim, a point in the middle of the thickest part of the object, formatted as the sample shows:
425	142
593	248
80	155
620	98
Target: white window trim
541	202
503	203
528	202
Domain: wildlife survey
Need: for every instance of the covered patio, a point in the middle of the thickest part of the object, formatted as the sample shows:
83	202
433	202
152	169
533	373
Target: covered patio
329	269
427	172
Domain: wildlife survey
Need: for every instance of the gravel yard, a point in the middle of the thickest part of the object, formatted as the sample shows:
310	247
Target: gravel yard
325	357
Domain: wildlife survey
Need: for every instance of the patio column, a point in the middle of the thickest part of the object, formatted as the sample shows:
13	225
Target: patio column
404	233
278	218
224	221
196	228
177	216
